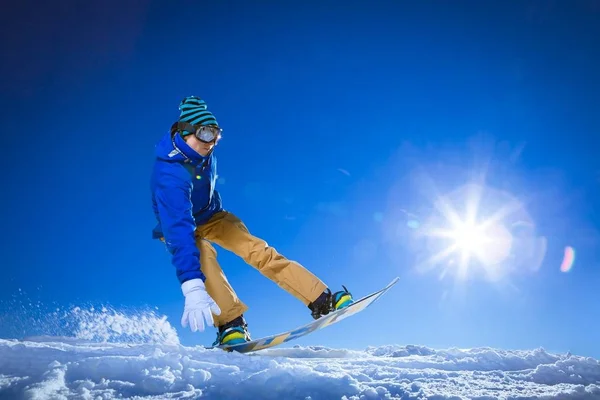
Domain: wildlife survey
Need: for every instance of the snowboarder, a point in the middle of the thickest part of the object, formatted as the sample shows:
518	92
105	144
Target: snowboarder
191	217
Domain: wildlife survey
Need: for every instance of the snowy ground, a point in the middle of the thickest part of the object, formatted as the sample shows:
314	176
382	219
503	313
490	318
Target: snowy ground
109	354
55	368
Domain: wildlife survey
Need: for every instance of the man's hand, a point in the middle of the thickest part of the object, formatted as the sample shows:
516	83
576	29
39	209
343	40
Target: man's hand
198	305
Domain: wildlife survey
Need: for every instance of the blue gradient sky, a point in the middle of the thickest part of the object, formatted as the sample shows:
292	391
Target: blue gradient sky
342	124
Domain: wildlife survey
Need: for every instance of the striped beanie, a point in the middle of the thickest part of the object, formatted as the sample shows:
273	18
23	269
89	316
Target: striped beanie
193	111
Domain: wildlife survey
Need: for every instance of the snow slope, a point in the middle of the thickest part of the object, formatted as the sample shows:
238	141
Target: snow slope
55	368
113	355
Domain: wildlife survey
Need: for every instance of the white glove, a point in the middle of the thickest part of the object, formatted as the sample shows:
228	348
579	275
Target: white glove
198	305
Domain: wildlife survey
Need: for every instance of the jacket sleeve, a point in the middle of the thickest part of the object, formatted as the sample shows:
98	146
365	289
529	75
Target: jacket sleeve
173	201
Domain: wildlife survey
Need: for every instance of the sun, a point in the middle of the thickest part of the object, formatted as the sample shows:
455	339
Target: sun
469	238
472	241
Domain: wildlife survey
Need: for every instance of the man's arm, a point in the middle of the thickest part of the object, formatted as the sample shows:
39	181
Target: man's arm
173	201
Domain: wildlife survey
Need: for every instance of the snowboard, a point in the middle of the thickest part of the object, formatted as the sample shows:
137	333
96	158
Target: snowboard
323	322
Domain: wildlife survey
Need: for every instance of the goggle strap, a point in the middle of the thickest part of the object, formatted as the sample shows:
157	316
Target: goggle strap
186	126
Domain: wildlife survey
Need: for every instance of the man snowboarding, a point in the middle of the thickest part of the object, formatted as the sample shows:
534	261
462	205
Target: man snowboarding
191	217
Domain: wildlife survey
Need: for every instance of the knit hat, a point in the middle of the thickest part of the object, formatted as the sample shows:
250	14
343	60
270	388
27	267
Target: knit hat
193	111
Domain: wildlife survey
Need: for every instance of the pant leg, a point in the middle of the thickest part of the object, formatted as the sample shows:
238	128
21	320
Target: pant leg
217	285
229	232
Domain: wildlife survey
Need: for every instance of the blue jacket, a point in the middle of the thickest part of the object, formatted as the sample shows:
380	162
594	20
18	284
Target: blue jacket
183	196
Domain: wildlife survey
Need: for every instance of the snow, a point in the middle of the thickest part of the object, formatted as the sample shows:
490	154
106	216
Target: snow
112	354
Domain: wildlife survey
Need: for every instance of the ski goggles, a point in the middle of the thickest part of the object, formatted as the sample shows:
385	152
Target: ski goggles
204	133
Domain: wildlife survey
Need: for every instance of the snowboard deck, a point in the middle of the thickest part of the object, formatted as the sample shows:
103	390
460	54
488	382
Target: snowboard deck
323	322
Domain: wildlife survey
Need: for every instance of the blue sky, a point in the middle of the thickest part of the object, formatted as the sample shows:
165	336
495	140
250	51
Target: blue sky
342	126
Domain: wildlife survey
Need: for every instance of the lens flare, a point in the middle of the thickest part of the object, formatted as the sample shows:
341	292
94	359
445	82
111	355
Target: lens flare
568	259
413	224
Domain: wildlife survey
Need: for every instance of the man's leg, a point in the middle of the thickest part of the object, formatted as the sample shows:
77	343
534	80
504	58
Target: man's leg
229	232
217	285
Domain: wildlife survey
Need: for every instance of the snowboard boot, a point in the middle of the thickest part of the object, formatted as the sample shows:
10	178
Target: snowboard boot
327	302
233	332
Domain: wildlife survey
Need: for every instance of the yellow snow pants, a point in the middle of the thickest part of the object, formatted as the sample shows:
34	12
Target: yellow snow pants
229	232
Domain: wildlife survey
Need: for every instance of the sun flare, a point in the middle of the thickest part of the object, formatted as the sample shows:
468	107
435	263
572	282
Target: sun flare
468	237
470	241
